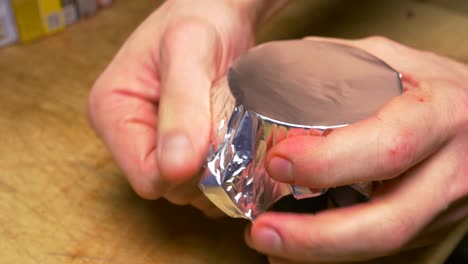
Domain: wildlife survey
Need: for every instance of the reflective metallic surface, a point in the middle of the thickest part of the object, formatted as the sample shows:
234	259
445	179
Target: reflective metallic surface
235	177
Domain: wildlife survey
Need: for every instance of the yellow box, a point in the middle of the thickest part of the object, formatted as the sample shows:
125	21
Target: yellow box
28	19
52	16
36	18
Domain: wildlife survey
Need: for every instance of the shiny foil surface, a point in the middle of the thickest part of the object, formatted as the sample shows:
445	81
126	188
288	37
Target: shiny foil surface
235	178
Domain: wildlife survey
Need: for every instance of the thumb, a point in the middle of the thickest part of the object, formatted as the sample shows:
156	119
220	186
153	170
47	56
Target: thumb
187	68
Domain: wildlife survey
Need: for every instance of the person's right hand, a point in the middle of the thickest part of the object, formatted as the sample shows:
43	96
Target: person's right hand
151	106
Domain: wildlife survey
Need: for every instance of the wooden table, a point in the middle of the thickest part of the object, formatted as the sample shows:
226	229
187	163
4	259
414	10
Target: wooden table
62	198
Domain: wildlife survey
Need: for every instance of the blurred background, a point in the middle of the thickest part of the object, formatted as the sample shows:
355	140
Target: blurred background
62	198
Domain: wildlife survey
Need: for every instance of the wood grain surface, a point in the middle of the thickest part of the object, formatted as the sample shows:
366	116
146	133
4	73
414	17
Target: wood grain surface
62	198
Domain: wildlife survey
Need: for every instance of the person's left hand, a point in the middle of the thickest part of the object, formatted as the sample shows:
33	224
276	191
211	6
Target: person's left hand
417	144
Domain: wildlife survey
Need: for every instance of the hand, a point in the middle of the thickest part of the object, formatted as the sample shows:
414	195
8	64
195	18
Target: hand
151	106
417	144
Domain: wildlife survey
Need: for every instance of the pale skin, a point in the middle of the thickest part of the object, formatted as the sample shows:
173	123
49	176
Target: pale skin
151	107
154	97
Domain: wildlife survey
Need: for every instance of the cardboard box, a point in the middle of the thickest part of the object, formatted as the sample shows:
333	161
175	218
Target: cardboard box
52	16
70	11
28	19
87	7
8	34
36	18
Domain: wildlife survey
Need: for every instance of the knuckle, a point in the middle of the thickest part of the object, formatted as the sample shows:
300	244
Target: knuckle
381	45
99	100
398	146
379	42
94	102
378	39
400	152
181	32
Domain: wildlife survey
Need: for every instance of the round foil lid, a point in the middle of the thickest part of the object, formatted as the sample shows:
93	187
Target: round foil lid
278	87
313	83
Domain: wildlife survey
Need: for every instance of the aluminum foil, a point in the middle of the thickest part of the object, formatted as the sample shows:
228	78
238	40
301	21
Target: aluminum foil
235	179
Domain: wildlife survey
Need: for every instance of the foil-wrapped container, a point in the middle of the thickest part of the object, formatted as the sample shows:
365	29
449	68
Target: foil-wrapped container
272	96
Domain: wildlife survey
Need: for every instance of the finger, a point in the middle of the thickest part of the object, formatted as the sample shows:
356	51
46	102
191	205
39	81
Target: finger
398	136
185	193
207	207
187	71
122	111
442	225
381	227
405	59
454	214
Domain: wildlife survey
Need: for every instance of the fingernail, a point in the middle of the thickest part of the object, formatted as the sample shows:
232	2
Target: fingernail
268	238
175	150
280	169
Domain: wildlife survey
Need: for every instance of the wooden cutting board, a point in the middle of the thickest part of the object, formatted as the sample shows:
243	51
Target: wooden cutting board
62	198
